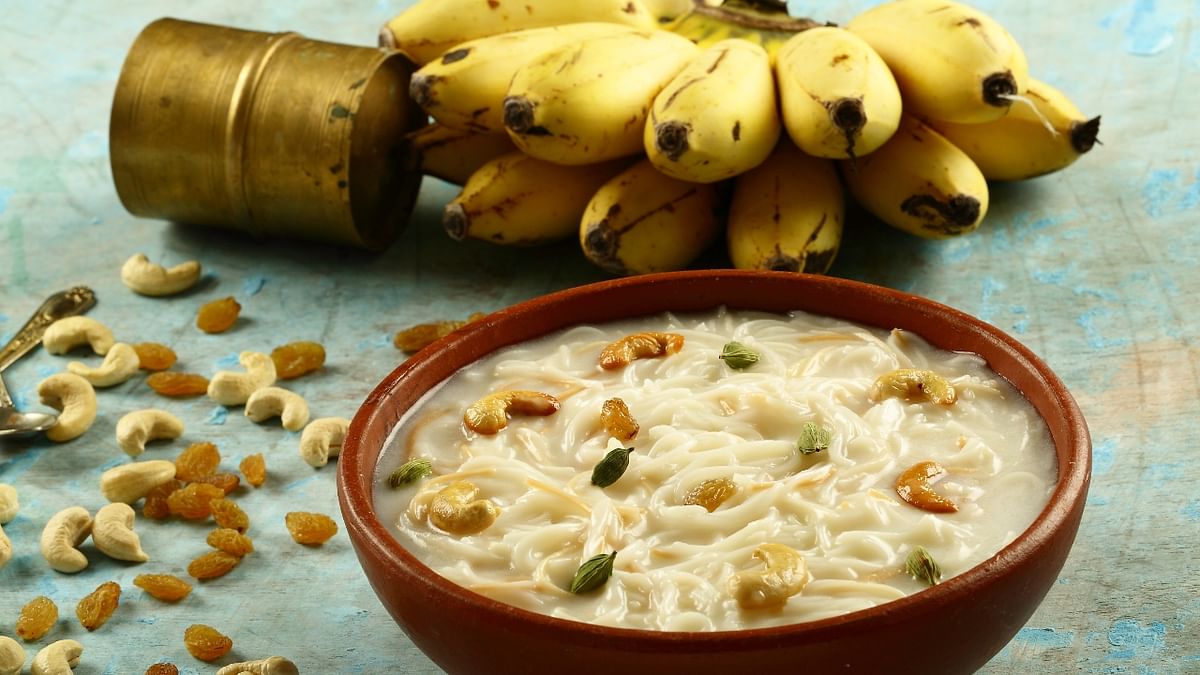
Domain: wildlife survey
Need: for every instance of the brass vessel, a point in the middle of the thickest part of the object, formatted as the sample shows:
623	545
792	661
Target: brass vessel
270	133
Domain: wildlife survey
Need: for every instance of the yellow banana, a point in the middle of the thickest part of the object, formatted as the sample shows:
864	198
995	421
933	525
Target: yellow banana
1035	138
453	155
919	182
952	62
430	27
839	100
589	101
518	200
645	221
707	23
786	214
717	117
464	88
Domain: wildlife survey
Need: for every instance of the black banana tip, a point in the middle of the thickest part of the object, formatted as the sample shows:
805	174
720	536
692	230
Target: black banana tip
420	89
518	114
1083	134
456	222
671	138
998	87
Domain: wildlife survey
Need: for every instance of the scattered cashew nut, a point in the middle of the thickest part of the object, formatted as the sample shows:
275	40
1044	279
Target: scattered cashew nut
229	388
322	439
120	363
61	537
455	509
275	665
112	533
785	575
490	414
913	487
57	658
6	555
135	429
66	334
12	656
639	346
912	384
147	278
271	402
128	483
8	503
75	398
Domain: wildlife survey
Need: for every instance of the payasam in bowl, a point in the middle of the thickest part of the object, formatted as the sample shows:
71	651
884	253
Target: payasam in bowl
716	472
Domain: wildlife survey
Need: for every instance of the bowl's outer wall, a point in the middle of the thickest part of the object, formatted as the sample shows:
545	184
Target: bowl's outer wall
954	627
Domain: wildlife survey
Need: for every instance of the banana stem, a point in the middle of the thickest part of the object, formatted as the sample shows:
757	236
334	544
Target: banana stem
764	15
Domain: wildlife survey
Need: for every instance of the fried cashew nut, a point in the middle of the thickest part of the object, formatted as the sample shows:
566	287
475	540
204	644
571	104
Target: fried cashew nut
275	665
322	438
288	406
490	414
639	346
120	363
57	658
61	537
137	428
8	503
455	509
128	483
147	278
75	398
913	487
913	385
784	574
112	533
74	331
12	656
229	388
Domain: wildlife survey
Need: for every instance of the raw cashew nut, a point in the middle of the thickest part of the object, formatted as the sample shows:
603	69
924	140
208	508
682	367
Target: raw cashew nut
12	656
275	665
5	556
913	487
785	574
57	658
128	483
911	384
8	503
140	426
75	397
66	334
229	388
63	533
112	533
322	439
147	278
120	364
639	346
455	509
490	414
271	402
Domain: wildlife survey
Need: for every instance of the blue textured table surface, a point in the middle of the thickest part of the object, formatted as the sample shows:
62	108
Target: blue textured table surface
1095	269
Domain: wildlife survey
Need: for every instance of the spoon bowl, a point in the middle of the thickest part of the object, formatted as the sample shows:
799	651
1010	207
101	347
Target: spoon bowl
13	422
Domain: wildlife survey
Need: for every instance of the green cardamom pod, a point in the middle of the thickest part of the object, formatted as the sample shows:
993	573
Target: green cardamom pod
813	438
593	573
921	565
413	469
611	467
738	356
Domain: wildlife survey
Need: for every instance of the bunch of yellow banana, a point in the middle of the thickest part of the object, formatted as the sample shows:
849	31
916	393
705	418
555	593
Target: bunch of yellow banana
644	127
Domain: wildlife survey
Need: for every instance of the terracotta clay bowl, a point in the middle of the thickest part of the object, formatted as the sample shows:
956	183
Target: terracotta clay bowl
953	627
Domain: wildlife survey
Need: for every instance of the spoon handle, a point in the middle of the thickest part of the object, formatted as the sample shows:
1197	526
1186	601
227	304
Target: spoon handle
66	303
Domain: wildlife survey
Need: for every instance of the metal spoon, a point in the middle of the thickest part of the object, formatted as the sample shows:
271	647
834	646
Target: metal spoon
66	303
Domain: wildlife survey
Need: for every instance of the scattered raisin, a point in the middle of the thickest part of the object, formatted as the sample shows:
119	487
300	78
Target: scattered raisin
165	587
312	529
162	669
229	515
254	468
178	385
297	358
231	542
153	356
228	482
212	565
416	338
711	493
197	461
218	316
194	501
615	417
36	618
96	607
155	507
205	642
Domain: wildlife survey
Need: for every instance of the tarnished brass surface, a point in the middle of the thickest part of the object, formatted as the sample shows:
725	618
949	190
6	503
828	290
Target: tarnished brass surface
269	133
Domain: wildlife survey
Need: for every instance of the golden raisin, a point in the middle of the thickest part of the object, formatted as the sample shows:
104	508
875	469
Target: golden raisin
36	619
229	515
416	338
254	468
197	461
178	385
231	542
711	493
212	565
218	316
312	529
153	356
155	506
228	482
617	421
194	501
162	669
205	642
297	358
96	607
165	587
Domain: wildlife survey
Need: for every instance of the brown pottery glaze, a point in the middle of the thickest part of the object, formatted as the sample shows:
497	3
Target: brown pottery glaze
954	627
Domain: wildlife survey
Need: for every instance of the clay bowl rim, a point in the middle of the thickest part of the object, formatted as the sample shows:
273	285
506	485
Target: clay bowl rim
355	482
